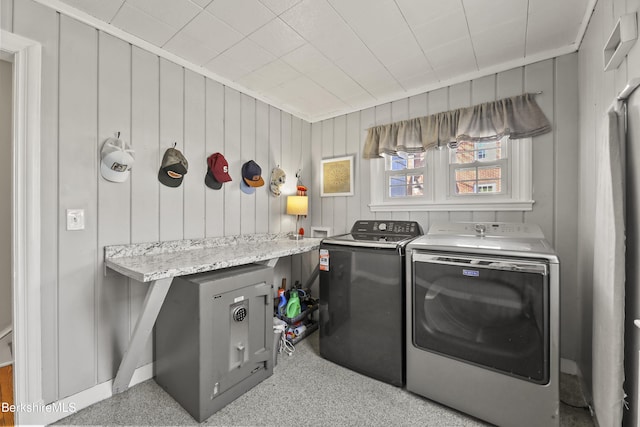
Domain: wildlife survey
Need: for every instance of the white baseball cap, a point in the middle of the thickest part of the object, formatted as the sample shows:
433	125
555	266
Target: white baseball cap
117	159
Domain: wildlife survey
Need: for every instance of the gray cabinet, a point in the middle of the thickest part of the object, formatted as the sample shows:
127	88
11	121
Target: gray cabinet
214	337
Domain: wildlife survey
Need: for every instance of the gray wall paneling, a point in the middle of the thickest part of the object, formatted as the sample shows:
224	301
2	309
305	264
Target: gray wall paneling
314	184
275	157
232	193
340	149
214	143
114	199
289	162
262	158
171	132
353	133
195	152
597	91
383	115
6	15
78	171
40	23
540	77
550	211
145	188
248	151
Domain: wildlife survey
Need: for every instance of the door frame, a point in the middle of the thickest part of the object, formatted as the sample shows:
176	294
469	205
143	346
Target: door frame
25	235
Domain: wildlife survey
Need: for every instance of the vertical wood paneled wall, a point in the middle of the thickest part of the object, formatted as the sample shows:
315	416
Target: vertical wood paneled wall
598	90
555	165
93	86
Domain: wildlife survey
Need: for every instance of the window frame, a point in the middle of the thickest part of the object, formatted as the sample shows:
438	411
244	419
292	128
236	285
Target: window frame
437	191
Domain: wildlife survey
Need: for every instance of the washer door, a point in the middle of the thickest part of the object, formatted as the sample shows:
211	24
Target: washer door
489	312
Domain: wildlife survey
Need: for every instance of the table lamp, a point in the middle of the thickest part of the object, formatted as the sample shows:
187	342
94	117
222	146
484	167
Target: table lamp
298	206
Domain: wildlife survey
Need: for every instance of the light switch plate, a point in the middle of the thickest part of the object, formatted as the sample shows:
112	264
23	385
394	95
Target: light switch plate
75	219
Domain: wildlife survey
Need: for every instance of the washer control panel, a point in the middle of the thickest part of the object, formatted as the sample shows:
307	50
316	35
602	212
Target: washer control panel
387	228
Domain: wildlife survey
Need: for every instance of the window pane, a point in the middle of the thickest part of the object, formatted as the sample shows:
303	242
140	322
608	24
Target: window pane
406	185
408	161
469	152
491	172
465	187
465	174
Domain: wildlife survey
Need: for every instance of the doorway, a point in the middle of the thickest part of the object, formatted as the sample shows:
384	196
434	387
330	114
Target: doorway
24	179
6	294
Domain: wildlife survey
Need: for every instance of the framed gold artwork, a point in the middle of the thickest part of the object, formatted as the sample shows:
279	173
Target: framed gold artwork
336	177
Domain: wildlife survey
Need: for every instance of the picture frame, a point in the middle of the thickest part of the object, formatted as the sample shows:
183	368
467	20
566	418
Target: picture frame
336	177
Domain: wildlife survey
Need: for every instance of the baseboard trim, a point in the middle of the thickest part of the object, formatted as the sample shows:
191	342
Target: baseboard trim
39	414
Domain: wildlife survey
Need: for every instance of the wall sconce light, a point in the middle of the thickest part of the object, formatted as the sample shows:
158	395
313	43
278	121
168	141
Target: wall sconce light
298	206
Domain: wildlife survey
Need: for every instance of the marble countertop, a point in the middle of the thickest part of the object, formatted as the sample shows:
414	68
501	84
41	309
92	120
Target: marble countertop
159	260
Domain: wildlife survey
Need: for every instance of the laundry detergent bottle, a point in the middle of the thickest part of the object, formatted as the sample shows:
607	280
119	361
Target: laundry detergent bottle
293	306
282	305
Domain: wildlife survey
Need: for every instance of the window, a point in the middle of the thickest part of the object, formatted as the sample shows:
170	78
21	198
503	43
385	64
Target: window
478	168
405	175
488	175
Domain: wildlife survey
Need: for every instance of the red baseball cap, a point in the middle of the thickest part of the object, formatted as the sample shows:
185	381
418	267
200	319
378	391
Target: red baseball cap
217	172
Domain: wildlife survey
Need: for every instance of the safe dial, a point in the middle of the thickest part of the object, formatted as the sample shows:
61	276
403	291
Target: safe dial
239	313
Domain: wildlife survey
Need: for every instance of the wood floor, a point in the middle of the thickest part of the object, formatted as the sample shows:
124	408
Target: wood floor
6	394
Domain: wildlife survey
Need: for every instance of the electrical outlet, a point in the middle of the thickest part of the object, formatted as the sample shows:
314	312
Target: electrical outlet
75	219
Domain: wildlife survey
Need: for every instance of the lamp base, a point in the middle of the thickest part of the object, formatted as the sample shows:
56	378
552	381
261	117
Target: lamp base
294	236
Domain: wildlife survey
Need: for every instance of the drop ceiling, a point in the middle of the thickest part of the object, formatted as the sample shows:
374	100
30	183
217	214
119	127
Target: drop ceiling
322	58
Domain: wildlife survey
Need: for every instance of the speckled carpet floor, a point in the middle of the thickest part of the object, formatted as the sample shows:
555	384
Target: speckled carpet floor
305	390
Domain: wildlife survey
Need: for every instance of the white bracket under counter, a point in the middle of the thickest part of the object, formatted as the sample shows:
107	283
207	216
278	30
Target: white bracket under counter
158	263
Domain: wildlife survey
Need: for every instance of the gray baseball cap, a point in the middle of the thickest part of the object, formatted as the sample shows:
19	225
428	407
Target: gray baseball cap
173	168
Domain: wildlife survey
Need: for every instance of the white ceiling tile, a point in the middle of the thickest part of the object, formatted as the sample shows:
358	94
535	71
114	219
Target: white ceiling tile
279	6
550	32
312	18
419	80
380	14
481	16
190	49
208	29
410	67
306	58
387	89
363	67
360	101
225	67
419	12
277	37
337	82
202	3
248	55
491	57
511	46
397	48
255	82
442	30
276	73
454	58
174	13
245	16
104	10
140	24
